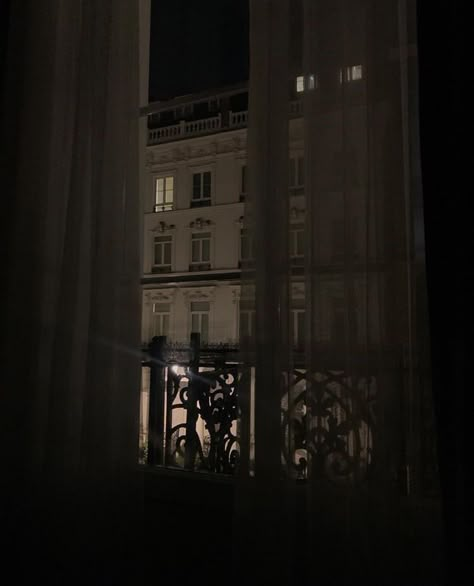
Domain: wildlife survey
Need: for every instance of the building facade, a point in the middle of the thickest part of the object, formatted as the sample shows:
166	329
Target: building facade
195	243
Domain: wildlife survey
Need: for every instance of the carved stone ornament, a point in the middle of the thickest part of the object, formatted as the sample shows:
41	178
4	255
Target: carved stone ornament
159	296
200	224
296	214
199	294
163	227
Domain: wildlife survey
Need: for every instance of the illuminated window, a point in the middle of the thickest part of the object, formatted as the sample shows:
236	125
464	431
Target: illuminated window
300	83
164	194
162	253
160	319
200	319
201	195
352	73
312	81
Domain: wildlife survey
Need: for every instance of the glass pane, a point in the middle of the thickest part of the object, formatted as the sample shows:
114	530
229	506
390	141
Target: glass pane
300	171
165	324
195	255
292	177
207	185
169	183
169	196
195	322
299	243
167	253
159	190
161	307
206	250
197	186
157	259
204	327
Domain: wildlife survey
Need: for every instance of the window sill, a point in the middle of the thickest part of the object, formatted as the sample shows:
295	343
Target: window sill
200	203
161	269
200	267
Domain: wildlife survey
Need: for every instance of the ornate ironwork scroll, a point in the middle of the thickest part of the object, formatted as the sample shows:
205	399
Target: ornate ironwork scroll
327	425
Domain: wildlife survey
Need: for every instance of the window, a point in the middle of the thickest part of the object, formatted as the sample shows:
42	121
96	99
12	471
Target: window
297	241
296	175
297	323
312	81
351	73
247	246
160	319
164	194
200	251
201	195
200	319
300	84
243	182
162	254
247	319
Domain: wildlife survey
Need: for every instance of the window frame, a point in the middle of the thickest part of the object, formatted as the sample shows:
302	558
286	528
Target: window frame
200	236
202	201
200	313
163	240
170	206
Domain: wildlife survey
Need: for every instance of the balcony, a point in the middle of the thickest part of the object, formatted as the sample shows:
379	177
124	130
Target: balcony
211	125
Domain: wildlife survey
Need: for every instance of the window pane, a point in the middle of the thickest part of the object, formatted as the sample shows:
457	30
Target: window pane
196	185
158	253
167	253
204	327
165	324
300	171
206	250
159	190
292	178
195	322
207	184
300	83
299	243
196	252
161	307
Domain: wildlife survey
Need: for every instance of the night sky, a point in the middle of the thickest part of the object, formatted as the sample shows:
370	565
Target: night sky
196	46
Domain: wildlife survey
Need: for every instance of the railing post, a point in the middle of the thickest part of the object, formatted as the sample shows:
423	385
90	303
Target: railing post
192	411
156	402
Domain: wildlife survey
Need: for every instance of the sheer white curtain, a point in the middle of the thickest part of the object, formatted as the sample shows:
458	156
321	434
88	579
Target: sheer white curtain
69	365
340	448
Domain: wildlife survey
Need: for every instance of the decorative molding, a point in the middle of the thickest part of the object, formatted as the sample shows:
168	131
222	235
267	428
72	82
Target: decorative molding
199	294
200	224
159	296
163	227
296	214
297	290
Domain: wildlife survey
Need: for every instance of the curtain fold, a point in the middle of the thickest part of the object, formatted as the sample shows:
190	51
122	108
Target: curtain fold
345	454
71	311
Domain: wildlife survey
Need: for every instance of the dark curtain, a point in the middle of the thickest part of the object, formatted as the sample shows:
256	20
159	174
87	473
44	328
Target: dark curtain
446	125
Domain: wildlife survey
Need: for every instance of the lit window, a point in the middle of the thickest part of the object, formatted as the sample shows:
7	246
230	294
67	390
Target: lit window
297	241
201	248
162	253
312	81
160	319
164	194
201	194
300	84
296	175
352	73
200	319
